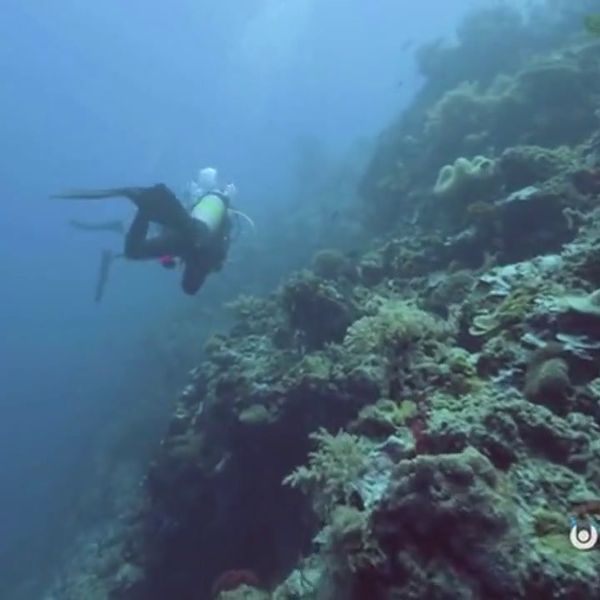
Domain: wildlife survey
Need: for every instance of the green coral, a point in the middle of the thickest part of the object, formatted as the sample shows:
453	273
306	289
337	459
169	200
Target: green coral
332	470
384	417
253	315
331	264
350	547
371	269
395	324
462	372
314	368
512	311
547	522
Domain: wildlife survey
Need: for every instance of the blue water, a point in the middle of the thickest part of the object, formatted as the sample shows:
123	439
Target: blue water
110	93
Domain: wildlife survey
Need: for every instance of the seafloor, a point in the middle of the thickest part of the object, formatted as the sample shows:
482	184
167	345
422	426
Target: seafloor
419	420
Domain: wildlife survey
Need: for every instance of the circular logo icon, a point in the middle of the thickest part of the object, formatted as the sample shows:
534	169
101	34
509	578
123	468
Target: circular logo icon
584	538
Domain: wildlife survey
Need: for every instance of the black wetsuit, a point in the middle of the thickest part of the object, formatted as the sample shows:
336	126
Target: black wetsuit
183	236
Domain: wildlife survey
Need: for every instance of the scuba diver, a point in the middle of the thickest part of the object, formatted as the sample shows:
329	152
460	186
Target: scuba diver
198	237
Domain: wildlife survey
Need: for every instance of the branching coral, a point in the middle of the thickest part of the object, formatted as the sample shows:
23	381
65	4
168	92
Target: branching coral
332	470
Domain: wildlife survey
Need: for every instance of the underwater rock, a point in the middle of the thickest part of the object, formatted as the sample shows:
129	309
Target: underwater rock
484	551
579	345
584	258
579	318
371	269
546	434
409	257
460	495
525	166
531	222
547	381
317	309
588	305
458	115
332	264
237	583
454	424
244	592
522	195
383	419
449	289
587	181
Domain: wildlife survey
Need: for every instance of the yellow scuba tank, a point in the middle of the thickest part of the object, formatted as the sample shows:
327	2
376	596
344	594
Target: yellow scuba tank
211	209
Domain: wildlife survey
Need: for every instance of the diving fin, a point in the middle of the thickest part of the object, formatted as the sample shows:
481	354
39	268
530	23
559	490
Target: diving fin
130	192
114	226
106	261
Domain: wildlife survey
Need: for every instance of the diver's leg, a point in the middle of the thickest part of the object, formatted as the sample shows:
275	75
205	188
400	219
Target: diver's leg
135	238
139	247
194	274
160	205
158	202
